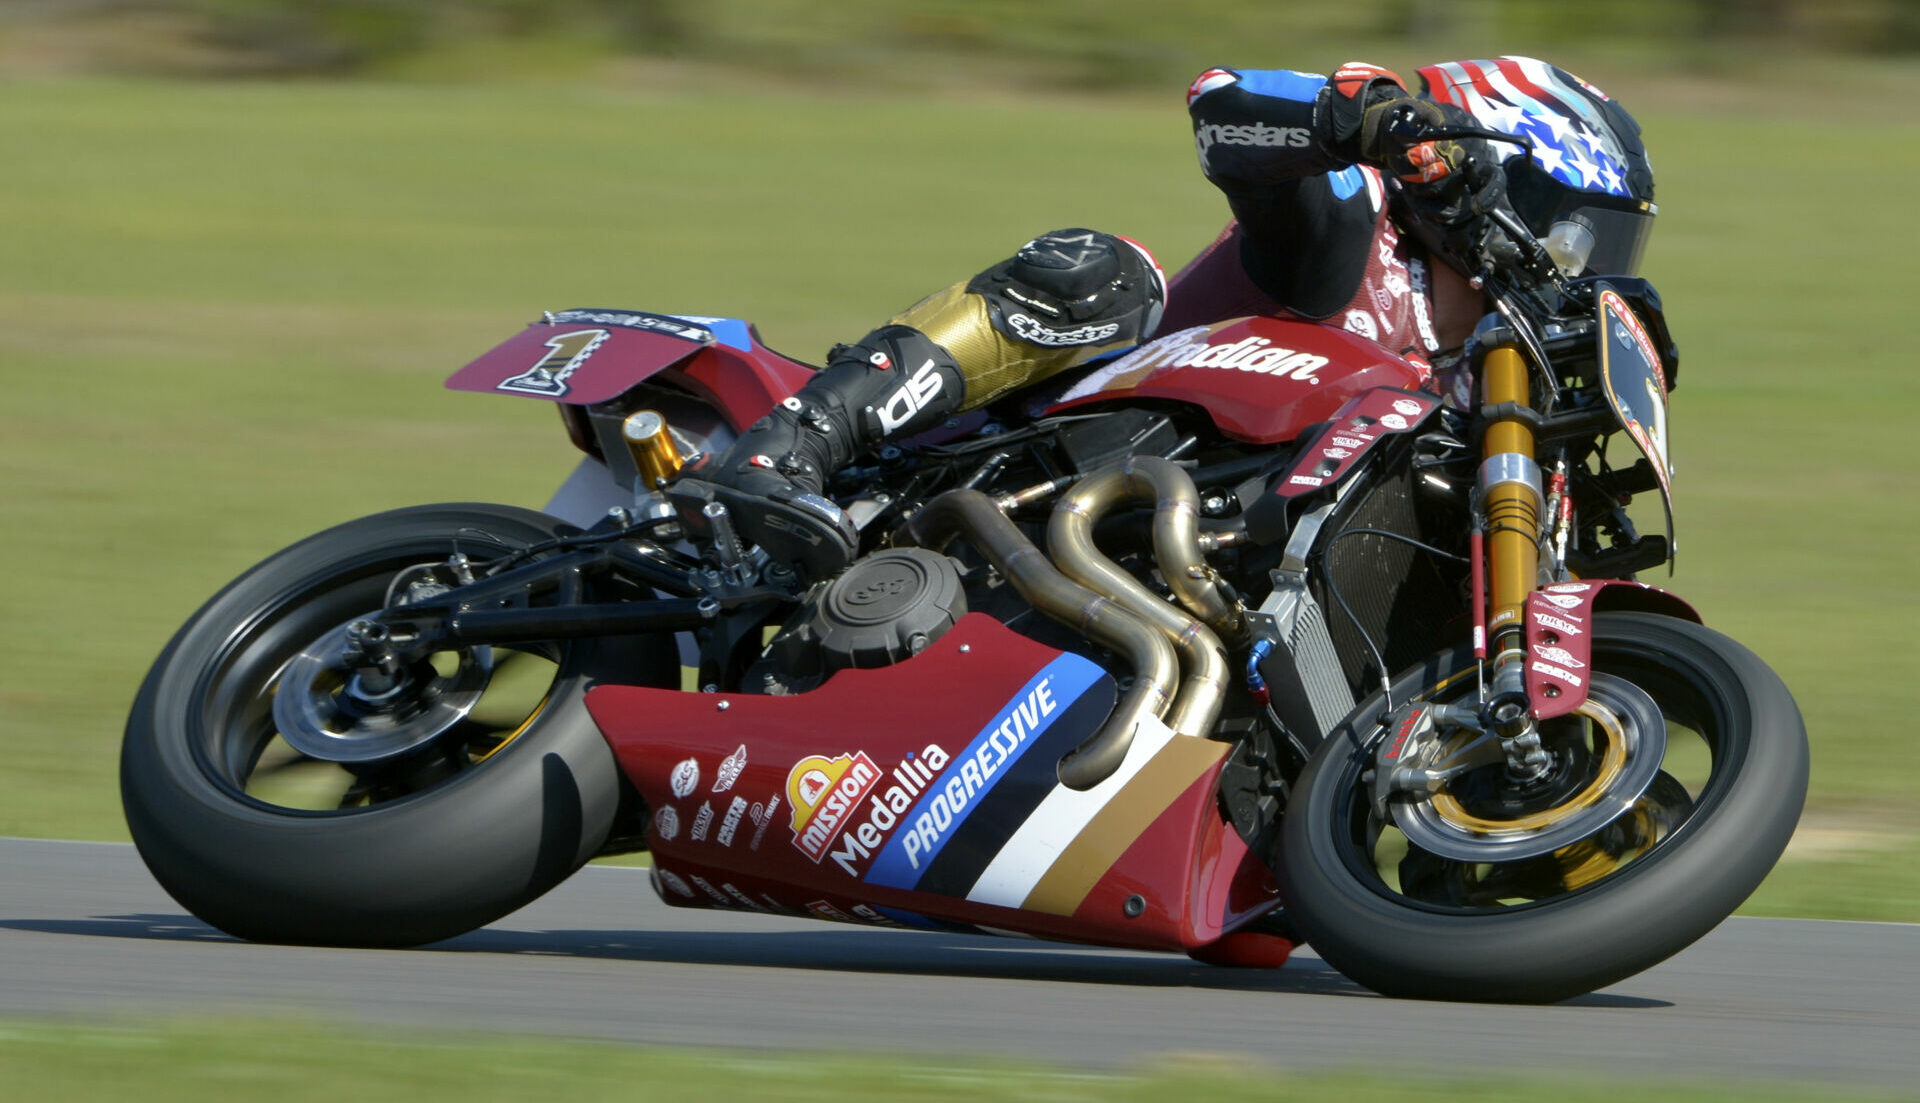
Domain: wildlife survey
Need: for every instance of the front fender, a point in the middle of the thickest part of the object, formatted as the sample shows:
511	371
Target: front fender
1560	639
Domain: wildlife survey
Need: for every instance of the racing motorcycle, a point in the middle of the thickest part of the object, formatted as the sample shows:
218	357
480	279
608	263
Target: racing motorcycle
1242	639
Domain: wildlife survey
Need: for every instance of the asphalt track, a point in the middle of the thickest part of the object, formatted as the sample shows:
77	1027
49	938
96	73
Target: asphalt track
85	932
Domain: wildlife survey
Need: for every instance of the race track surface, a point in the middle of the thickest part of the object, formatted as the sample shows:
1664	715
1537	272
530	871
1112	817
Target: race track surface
85	932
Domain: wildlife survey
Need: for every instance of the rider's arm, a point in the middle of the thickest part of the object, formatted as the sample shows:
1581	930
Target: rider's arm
1256	127
1282	146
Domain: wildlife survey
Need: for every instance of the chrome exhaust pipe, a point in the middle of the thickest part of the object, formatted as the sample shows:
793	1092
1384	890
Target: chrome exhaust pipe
973	515
1176	549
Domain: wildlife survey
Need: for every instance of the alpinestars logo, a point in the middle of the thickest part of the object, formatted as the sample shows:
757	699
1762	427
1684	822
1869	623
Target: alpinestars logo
1030	330
1208	135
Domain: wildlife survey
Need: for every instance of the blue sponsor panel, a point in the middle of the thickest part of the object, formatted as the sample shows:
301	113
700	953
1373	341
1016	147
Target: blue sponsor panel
731	332
973	774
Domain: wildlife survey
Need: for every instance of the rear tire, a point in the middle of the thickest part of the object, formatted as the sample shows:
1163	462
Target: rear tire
1348	900
420	856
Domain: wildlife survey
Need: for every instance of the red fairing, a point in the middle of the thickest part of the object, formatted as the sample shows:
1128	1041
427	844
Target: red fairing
927	792
1354	430
1262	380
1560	635
587	357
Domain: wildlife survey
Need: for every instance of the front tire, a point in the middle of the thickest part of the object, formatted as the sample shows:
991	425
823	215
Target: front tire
1409	924
270	845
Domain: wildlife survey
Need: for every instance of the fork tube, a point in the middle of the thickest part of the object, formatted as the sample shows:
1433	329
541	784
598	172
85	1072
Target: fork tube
1510	497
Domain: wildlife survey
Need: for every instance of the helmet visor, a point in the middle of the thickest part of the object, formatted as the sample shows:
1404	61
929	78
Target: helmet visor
1619	238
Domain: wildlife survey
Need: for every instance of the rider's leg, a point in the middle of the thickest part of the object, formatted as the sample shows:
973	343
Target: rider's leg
1064	298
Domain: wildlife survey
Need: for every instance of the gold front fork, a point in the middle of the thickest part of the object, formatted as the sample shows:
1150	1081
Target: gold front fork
1510	502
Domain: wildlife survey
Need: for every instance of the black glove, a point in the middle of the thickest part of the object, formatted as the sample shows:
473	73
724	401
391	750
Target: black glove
1451	183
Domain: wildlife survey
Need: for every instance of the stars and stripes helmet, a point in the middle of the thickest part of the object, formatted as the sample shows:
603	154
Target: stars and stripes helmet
1587	163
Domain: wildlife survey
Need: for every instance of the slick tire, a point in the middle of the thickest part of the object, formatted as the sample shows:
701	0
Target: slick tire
419	867
1585	938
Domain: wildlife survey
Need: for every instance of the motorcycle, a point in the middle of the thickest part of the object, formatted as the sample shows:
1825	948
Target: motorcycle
1311	655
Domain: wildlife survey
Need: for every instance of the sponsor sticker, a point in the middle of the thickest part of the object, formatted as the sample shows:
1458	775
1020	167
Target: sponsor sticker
685	778
702	820
1564	601
1039	333
1189	348
1558	624
548	376
1306	480
1566	676
761	814
1406	406
672	882
728	772
732	823
706	886
1569	587
868	826
823	794
1350	442
666	823
1337	453
1393	421
1362	323
989	759
1559	655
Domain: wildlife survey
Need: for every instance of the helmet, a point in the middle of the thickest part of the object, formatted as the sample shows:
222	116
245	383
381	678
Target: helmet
1588	165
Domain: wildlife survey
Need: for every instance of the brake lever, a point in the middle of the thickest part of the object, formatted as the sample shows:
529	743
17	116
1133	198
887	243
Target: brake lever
1523	252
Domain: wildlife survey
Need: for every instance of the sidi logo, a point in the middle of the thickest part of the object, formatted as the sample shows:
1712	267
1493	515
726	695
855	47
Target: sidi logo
912	397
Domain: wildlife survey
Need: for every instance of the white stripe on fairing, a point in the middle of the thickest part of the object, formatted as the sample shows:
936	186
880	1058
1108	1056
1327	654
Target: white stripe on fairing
1058	820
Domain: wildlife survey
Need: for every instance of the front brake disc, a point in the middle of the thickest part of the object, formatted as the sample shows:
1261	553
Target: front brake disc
1621	714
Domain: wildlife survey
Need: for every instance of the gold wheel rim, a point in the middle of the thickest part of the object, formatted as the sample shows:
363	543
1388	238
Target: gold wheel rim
1613	760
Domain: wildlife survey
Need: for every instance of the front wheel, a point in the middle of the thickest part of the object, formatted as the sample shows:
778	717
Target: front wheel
279	799
1722	802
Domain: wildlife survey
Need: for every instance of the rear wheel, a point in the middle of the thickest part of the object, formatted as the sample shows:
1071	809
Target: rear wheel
1631	888
280	798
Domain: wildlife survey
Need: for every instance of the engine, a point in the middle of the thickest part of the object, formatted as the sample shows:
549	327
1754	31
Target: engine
887	607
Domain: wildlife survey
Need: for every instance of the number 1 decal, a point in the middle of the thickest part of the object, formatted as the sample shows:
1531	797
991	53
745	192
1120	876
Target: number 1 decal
548	377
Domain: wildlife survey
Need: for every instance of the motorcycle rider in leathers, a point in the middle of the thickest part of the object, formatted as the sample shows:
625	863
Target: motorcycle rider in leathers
1341	190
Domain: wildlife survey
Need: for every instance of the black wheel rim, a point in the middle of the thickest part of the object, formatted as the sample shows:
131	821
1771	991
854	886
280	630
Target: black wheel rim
237	746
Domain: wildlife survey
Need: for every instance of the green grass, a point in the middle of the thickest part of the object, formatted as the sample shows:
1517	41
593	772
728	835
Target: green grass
225	312
296	1061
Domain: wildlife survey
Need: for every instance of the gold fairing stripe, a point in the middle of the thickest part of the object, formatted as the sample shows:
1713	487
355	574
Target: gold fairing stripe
991	362
1126	817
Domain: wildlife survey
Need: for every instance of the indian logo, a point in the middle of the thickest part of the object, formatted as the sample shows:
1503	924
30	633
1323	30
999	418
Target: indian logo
823	793
548	377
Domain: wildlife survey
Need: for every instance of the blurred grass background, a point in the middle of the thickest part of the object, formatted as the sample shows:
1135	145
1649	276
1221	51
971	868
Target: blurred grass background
245	240
295	1062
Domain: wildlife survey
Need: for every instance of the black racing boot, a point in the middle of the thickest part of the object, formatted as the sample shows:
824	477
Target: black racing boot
893	383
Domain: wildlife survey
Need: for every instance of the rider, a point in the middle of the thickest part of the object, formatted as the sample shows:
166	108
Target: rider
1316	233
